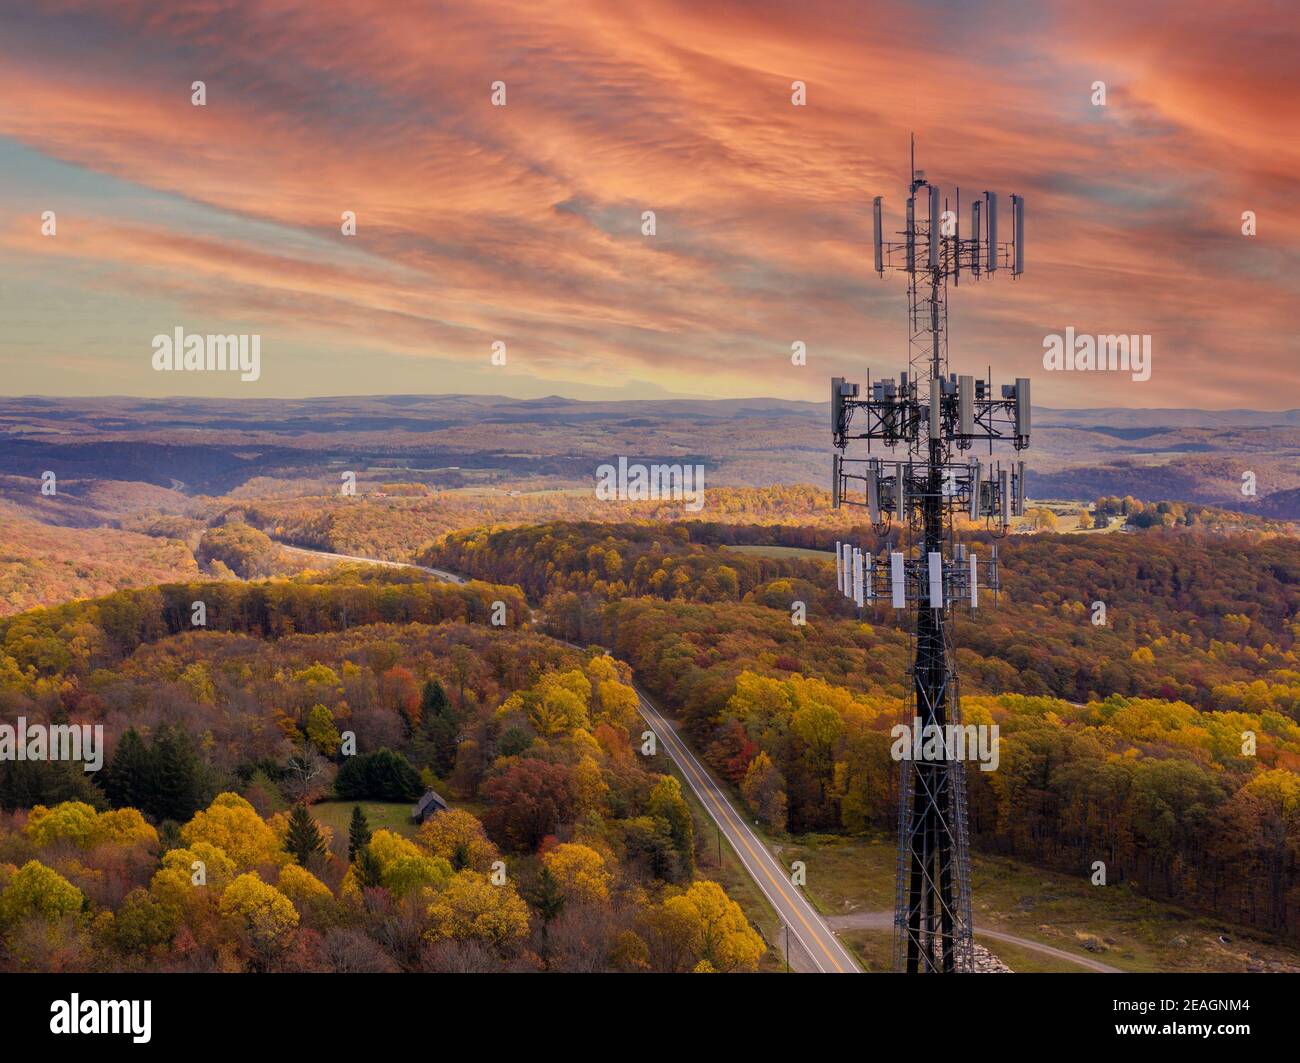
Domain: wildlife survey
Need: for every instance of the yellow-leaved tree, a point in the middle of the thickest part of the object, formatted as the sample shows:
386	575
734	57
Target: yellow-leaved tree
72	821
261	915
404	867
588	785
214	868
232	825
36	890
471	907
704	924
459	838
559	702
310	895
190	881
77	822
615	701
580	871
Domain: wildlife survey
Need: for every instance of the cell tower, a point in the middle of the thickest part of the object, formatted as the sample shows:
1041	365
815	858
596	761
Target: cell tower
930	413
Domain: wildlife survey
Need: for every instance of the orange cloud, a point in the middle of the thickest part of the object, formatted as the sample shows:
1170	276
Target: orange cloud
524	222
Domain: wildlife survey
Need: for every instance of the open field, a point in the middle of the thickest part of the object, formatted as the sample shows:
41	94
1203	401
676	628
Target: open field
381	815
1110	924
784	551
875	950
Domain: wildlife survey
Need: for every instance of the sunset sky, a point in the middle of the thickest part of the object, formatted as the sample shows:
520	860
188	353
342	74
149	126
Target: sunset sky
523	223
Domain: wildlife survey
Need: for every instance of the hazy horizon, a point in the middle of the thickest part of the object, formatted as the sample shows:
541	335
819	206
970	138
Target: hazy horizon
665	398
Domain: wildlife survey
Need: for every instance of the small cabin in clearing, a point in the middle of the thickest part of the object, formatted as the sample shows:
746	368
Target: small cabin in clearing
430	804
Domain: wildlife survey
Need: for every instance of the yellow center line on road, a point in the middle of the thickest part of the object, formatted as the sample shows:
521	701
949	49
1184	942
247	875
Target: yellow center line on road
741	831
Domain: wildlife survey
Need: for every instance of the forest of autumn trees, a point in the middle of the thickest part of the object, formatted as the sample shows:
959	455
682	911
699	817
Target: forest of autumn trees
1121	741
1202	618
197	847
1124	740
395	528
41	563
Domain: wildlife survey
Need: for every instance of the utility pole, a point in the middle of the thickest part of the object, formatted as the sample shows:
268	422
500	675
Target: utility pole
926	571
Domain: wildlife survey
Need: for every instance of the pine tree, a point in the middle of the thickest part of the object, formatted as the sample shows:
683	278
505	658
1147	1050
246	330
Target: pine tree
358	833
175	786
24	783
304	838
367	869
379	776
127	780
433	700
440	726
547	897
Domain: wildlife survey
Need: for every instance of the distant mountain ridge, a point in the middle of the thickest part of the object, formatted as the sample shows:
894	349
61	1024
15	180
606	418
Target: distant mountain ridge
447	404
213	445
1280	505
1121	417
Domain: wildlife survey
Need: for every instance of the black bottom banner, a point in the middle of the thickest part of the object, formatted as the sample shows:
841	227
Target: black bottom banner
1223	1013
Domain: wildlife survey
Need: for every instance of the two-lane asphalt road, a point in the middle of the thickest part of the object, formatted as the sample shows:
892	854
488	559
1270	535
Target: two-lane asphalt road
821	950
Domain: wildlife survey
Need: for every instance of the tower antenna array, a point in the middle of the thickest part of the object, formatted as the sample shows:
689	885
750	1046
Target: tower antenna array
934	417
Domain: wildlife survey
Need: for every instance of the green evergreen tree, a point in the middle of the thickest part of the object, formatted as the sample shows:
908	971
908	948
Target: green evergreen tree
358	833
368	871
546	896
440	727
127	781
379	776
169	836
513	741
304	838
175	786
24	783
433	700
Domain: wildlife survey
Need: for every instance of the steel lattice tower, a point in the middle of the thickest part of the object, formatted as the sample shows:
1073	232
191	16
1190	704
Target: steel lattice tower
928	572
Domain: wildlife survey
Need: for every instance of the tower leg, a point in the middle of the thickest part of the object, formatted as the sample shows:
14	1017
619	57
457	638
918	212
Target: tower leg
933	910
916	848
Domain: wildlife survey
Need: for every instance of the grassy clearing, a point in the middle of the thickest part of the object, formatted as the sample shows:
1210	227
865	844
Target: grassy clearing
382	815
784	551
1027	961
1125	930
873	948
875	951
845	875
